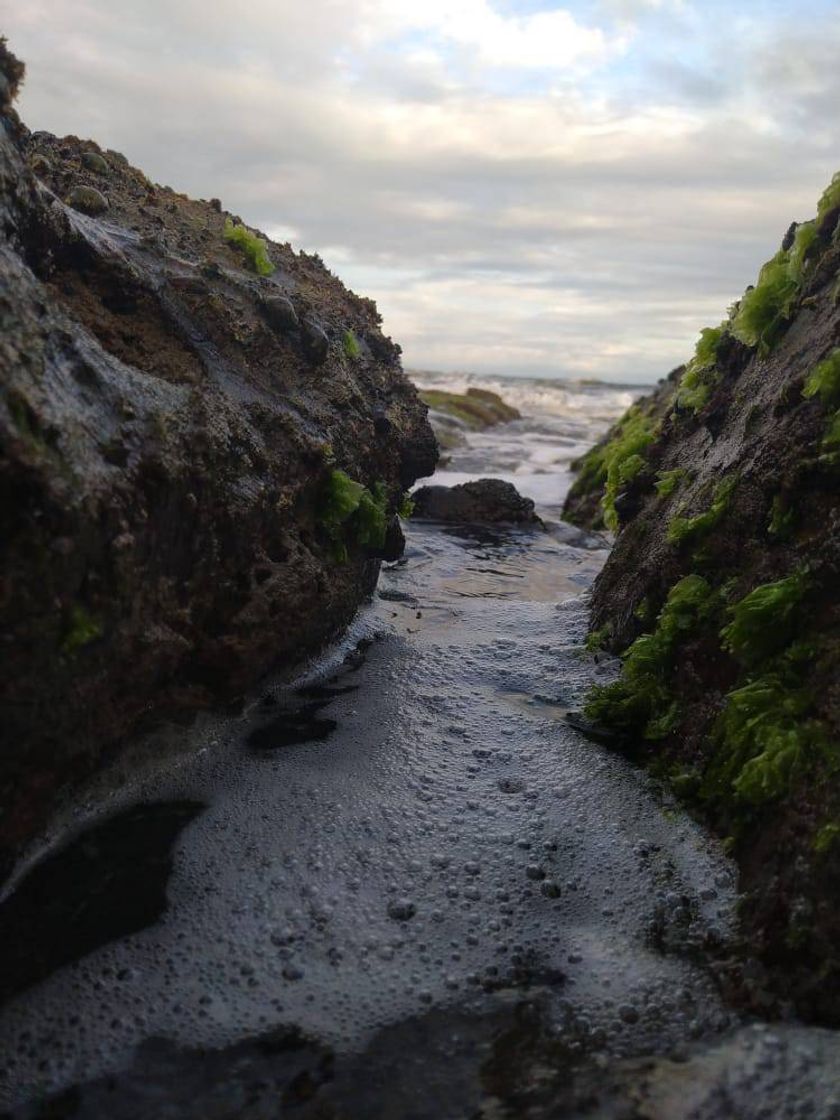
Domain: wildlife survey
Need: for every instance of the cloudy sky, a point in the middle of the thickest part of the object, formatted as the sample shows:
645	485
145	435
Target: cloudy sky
523	188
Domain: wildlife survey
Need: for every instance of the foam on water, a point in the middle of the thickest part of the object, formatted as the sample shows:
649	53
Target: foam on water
560	421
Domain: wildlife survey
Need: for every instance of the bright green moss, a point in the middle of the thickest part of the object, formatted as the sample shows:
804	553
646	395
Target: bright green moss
406	506
764	620
622	458
667	481
82	628
830	200
349	511
766	739
765	309
806	235
824	380
254	248
371	521
352	349
682	529
641	699
701	374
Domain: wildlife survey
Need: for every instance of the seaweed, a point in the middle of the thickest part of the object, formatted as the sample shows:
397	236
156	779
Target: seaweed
764	310
641	698
668	481
622	458
824	380
701	374
829	201
348	511
682	529
764	620
352	349
254	247
81	629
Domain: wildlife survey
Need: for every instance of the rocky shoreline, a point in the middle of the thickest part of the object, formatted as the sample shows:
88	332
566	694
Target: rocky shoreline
205	440
721	597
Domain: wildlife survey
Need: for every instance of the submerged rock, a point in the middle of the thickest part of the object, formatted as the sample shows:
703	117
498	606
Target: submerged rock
169	462
489	500
722	487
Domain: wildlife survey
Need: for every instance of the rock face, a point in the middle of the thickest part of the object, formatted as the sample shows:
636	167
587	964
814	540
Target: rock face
722	595
487	501
202	444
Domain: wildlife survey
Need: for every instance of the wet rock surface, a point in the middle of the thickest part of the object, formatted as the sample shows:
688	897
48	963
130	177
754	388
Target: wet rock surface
725	479
168	422
485	501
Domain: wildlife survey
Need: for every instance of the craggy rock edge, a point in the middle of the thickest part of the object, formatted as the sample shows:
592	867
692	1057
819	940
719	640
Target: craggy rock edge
723	488
183	449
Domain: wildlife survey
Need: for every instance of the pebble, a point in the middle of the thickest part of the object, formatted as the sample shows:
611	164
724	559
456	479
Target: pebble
401	909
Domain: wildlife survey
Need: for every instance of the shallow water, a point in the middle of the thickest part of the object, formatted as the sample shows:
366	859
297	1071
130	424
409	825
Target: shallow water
402	887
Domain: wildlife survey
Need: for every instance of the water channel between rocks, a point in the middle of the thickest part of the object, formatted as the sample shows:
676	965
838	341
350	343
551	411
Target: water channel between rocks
403	887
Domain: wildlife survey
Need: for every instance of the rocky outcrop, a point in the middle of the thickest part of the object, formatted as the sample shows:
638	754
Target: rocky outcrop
722	596
204	438
484	502
452	415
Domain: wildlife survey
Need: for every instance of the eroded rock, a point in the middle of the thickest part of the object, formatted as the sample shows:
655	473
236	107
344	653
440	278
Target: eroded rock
487	501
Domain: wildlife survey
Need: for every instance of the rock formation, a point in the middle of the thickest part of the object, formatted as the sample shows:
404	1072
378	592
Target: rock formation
204	438
722	596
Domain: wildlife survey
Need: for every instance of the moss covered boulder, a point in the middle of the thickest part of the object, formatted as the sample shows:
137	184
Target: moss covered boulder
723	599
197	480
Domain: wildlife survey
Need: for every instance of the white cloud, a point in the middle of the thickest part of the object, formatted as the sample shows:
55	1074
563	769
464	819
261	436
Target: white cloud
511	189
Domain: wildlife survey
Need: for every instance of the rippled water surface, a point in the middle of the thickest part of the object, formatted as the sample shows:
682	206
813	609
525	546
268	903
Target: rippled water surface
402	887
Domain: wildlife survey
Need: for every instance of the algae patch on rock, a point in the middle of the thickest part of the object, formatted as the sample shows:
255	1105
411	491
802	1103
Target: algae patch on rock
737	495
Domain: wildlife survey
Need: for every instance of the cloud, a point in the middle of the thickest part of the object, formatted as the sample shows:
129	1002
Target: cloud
571	191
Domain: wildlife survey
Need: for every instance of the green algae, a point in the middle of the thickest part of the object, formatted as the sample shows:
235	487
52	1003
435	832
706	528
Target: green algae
826	838
782	518
766	737
349	512
622	458
682	529
824	380
764	310
642	697
81	629
668	481
253	247
829	201
701	374
352	349
763	621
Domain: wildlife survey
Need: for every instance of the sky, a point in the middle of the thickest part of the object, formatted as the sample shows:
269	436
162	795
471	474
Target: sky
524	188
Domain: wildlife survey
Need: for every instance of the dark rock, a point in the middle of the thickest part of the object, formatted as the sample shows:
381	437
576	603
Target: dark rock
394	545
755	508
216	204
40	166
279	312
93	161
87	200
489	500
381	423
316	342
161	478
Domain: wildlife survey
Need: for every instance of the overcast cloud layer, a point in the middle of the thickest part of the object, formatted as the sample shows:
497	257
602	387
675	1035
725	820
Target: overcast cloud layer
523	188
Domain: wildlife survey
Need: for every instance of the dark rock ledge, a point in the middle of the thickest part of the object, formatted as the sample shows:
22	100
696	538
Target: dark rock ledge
182	422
